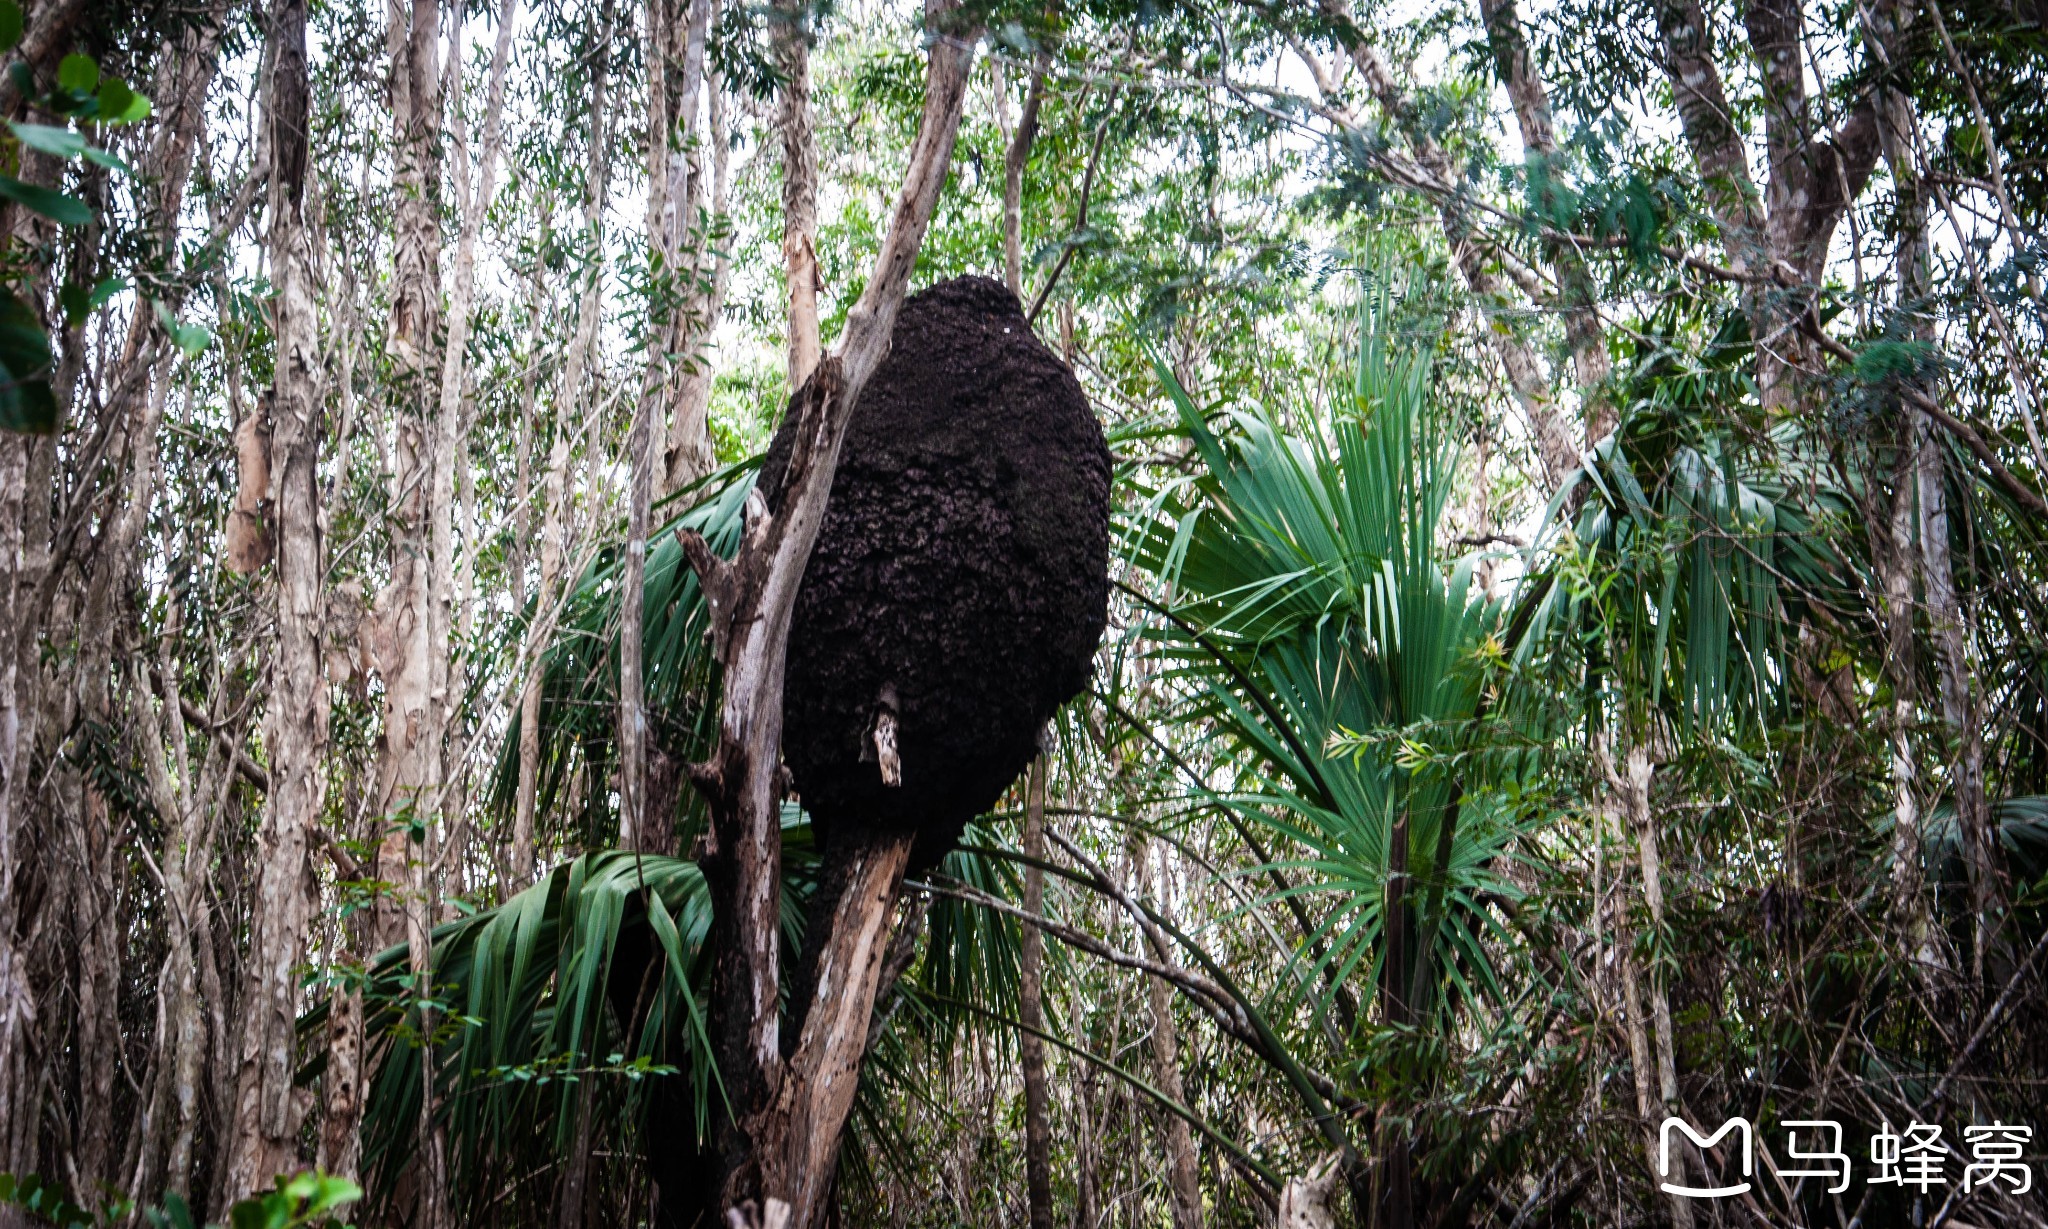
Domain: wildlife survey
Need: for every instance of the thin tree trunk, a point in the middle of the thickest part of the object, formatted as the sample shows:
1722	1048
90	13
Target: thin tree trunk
413	625
668	209
1394	1181
1584	334
1897	562
1183	1179
789	25
1650	1040
690	455
1959	708
264	1137
1087	1158
1031	1010
555	517
1016	157
411	660
1556	446
1946	615
1900	558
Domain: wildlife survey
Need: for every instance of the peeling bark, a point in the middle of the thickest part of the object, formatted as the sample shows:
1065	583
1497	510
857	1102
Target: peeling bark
264	1138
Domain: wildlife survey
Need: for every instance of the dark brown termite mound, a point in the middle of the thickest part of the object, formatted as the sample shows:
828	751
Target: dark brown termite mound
959	585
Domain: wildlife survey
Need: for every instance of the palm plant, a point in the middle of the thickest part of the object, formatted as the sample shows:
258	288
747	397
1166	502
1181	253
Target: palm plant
1344	666
567	1023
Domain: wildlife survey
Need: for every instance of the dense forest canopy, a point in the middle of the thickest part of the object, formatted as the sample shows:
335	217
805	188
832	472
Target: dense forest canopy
1577	579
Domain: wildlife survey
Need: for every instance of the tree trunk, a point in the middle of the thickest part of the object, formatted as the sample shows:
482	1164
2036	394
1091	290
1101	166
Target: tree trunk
1556	446
689	455
1016	157
1031	1010
1087	1157
411	659
1583	332
412	615
776	1150
789	27
264	1136
1649	1034
1394	1181
668	210
555	515
1896	560
1959	709
1183	1178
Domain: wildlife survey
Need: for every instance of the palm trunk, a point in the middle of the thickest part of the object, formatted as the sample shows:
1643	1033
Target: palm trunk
1394	1194
263	1139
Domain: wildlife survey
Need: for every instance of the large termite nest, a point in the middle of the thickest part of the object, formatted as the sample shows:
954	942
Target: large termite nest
959	585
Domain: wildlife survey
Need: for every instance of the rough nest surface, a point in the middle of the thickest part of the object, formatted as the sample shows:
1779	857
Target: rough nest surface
962	566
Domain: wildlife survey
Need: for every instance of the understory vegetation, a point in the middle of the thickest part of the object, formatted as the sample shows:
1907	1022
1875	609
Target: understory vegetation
1578	622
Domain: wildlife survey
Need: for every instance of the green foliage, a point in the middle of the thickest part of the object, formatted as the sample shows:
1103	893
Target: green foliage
26	401
302	1202
1342	662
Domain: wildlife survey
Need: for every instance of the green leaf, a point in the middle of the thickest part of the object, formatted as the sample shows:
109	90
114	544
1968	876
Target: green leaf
78	72
10	25
190	338
62	142
120	104
107	289
81	301
59	208
26	402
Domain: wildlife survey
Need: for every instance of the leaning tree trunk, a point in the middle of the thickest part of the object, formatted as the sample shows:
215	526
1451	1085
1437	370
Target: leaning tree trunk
263	1135
1584	335
778	1150
1556	447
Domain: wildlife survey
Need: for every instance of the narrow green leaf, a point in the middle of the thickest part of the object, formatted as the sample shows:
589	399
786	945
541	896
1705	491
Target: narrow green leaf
62	142
59	208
